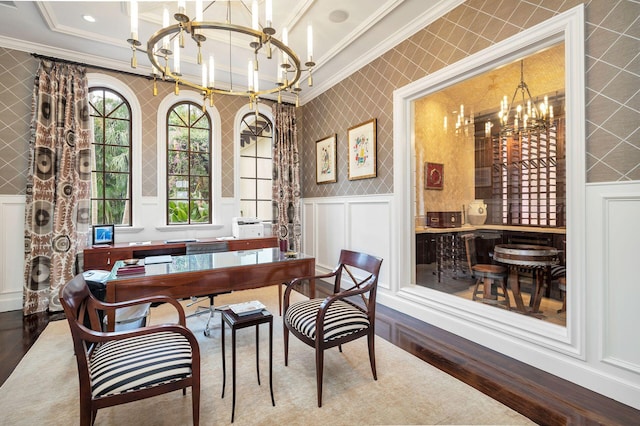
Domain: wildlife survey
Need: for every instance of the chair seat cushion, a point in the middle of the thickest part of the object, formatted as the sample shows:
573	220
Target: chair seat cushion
558	271
340	320
140	362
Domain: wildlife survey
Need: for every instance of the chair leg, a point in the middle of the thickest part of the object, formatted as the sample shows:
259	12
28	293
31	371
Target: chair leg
475	289
319	369
507	302
285	336
195	402
372	353
280	299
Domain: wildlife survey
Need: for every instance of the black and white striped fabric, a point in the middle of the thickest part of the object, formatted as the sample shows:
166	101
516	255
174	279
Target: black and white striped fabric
341	319
558	271
121	366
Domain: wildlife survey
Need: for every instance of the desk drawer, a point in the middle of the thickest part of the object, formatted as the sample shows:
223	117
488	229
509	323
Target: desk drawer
253	244
104	259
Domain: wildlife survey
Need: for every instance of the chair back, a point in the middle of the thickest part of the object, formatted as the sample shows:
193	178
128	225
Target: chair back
79	304
470	249
366	263
207	247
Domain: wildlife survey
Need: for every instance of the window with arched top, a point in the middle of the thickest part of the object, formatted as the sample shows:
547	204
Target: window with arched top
188	164
111	177
256	166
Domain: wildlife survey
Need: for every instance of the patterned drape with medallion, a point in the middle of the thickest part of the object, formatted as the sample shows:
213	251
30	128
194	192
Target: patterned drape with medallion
286	176
58	182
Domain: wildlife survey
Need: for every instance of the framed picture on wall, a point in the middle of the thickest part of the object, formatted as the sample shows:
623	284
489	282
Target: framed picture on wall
433	176
362	150
326	160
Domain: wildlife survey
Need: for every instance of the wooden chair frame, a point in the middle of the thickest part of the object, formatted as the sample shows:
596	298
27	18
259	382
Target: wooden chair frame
78	302
360	288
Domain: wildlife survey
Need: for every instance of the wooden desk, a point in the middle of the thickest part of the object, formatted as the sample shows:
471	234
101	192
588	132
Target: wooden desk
197	274
105	257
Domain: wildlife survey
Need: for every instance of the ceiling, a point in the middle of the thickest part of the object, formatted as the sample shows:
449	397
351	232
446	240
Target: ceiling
346	34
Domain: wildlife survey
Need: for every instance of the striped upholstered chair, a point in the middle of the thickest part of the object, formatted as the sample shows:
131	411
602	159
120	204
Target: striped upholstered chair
343	316
125	366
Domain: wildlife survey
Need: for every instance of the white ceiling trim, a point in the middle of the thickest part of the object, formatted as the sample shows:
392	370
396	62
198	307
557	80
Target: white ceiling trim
359	31
420	22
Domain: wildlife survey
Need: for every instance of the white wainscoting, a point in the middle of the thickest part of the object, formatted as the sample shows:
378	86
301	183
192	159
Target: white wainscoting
607	311
612	277
11	251
354	223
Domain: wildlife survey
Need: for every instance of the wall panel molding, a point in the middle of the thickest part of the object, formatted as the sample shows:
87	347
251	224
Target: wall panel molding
361	223
11	251
612	277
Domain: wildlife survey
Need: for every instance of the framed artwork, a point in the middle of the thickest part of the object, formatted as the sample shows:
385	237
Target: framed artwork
362	150
433	176
326	160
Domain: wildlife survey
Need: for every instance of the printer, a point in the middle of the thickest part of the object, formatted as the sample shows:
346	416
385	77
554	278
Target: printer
247	227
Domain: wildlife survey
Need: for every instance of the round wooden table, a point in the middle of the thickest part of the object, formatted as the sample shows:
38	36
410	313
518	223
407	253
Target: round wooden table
537	259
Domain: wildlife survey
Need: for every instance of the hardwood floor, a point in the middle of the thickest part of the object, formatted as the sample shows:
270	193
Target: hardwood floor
542	397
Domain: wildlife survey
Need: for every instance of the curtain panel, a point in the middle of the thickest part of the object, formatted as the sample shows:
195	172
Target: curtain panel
286	176
58	183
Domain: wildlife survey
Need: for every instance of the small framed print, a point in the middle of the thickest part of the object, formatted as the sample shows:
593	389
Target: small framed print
362	150
433	176
326	160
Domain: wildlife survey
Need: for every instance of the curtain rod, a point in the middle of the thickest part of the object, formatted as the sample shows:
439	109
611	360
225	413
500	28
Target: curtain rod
98	67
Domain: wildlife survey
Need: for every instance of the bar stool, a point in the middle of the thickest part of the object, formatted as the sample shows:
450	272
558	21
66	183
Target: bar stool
486	274
237	322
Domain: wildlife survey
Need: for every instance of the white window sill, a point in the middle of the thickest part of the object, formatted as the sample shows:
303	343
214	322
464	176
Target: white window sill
203	227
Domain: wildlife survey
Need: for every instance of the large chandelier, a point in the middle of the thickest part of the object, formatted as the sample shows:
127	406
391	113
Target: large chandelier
525	116
165	45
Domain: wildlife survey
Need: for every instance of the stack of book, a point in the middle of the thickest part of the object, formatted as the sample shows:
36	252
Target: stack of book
130	270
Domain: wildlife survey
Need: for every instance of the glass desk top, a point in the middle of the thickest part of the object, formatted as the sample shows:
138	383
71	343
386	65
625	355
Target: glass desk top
202	262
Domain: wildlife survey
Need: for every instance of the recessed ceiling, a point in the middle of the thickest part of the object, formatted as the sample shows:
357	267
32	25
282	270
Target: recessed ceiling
347	34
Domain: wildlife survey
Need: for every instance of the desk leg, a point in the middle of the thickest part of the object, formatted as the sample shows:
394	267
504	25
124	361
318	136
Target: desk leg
514	283
233	372
273	401
258	352
224	374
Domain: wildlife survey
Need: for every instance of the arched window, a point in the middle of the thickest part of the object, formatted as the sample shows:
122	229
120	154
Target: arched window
256	166
111	199
188	164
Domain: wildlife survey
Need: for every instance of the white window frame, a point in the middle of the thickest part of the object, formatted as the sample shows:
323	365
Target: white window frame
237	124
103	80
216	164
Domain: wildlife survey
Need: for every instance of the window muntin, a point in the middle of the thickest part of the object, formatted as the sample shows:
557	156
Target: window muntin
111	157
188	165
256	167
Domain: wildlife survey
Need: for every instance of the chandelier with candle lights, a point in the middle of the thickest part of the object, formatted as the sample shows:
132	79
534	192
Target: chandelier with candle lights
165	45
525	116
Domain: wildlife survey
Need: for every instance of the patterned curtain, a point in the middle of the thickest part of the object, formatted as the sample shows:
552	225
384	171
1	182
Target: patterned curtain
58	183
286	176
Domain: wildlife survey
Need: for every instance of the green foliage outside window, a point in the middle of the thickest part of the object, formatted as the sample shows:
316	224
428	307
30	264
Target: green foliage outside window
188	165
111	160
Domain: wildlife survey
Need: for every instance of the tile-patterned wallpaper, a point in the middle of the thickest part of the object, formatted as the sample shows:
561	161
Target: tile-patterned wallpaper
16	86
612	77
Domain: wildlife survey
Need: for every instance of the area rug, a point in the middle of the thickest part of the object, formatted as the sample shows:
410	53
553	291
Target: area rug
43	389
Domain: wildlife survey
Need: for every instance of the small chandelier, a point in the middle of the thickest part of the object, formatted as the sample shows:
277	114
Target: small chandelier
526	116
166	44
